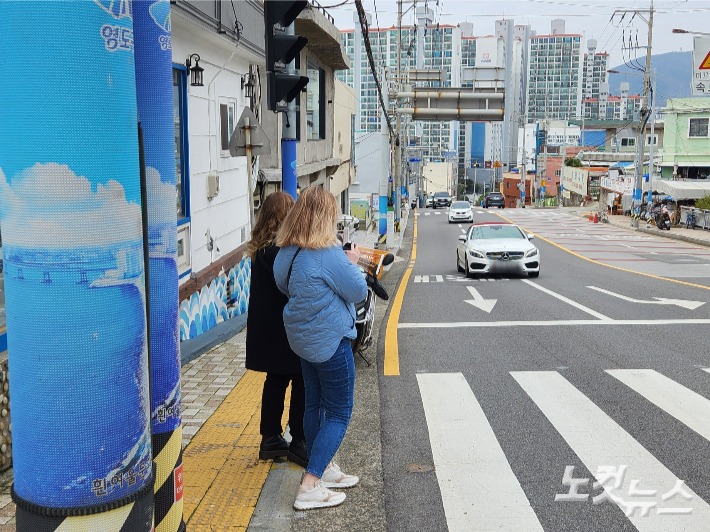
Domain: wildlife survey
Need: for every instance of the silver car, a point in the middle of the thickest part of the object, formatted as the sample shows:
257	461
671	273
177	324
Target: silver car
497	247
460	211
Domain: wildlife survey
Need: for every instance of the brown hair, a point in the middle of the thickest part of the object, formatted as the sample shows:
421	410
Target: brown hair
272	213
311	224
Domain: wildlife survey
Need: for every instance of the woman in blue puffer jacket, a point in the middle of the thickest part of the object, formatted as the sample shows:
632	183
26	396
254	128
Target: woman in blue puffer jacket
323	284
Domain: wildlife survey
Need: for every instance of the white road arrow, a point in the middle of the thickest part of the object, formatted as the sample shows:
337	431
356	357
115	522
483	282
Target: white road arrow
485	305
690	305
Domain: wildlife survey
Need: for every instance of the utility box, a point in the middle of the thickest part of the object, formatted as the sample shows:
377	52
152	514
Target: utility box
212	185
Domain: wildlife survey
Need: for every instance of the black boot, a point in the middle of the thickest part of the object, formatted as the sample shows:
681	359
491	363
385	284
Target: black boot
297	453
272	447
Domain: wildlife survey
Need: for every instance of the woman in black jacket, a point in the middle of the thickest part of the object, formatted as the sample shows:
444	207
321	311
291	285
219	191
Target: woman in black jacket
268	349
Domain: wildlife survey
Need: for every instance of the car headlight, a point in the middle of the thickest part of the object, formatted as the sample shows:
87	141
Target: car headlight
477	254
531	253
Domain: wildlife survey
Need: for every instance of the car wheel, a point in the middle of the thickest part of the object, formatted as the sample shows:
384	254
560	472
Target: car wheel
458	263
468	271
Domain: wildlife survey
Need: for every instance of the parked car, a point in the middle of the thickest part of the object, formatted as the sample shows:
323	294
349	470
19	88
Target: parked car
442	199
497	247
460	211
430	200
494	199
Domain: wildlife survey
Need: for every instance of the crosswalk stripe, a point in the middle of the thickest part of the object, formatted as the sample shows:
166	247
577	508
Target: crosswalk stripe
599	441
478	487
685	405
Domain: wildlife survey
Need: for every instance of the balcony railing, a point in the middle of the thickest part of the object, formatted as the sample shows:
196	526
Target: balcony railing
320	8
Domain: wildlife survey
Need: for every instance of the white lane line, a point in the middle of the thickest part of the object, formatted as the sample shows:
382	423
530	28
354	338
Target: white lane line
685	405
421	278
567	300
555	323
438	279
479	212
427	213
599	441
707	370
478	487
460	225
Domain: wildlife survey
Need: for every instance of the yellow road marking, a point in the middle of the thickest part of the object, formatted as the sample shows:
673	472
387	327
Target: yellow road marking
222	472
608	265
391	341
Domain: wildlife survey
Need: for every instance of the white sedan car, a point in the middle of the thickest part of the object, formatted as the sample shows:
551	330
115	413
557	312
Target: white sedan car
460	211
497	247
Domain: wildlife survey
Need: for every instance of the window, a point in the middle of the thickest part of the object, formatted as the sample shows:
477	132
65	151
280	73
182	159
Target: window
315	103
698	127
557	173
227	120
181	143
628	141
183	249
648	140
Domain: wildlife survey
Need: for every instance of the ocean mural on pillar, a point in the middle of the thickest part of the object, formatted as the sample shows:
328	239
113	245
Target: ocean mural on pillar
154	89
73	258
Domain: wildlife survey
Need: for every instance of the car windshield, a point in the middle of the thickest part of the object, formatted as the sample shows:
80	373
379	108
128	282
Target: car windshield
489	232
441	195
460	205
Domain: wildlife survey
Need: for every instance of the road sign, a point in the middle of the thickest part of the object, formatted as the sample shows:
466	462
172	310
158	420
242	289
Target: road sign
258	142
497	165
488	164
701	66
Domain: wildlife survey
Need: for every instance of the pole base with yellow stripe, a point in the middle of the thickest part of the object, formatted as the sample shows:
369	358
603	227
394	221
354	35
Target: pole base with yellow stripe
167	456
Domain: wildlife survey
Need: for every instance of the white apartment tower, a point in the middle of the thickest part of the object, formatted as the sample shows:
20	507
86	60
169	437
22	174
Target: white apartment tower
555	74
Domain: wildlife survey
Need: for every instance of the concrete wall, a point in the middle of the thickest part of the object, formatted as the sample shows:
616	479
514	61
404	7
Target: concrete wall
227	215
368	163
438	177
344	107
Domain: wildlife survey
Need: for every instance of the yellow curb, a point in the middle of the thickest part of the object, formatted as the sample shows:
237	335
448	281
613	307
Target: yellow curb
222	473
391	366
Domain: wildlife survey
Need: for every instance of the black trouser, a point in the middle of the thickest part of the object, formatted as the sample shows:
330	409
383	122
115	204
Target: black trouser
272	404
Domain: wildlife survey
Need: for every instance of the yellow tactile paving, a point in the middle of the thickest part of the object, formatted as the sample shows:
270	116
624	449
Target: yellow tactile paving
222	472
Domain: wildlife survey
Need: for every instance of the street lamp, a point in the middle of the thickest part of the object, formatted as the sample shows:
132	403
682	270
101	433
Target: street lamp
678	30
195	71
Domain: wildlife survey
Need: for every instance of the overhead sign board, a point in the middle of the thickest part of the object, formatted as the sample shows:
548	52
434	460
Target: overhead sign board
701	66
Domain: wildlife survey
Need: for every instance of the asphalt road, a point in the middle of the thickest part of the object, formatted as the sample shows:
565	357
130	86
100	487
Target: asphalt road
489	409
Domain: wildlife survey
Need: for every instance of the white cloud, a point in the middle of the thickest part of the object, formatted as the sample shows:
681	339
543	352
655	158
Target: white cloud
49	206
161	199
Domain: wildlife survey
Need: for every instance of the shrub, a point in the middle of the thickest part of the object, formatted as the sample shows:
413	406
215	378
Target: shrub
573	161
703	203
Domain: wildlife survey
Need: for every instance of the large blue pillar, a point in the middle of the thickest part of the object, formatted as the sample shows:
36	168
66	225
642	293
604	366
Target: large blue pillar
154	89
73	264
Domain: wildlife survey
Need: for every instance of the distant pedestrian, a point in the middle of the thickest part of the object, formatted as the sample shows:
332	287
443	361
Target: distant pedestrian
267	346
323	284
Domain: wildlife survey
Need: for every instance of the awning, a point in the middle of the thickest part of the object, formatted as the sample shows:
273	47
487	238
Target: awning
682	190
686	164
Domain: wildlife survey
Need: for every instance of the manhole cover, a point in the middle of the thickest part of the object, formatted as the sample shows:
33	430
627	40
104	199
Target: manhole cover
419	468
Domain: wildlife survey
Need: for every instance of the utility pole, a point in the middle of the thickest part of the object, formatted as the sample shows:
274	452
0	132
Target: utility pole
288	137
523	168
638	187
650	148
398	127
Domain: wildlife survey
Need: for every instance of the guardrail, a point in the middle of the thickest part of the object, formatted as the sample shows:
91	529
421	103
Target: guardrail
702	217
320	8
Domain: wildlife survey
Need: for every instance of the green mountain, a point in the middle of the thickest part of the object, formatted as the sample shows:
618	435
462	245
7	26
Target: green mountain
674	71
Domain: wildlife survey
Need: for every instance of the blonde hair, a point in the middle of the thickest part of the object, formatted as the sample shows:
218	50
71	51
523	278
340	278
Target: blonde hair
271	215
311	224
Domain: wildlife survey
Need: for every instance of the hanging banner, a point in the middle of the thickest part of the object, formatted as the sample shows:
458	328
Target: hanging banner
575	180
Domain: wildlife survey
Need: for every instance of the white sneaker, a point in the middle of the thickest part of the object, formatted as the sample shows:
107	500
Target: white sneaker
333	477
317	497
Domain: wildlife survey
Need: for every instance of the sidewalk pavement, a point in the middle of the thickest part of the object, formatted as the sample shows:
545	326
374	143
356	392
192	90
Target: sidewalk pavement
694	236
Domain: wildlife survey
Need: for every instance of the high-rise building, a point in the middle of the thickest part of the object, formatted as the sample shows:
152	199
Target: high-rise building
555	75
427	46
608	107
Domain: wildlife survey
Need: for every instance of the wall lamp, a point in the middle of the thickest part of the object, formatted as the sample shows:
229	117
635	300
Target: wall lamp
248	84
196	71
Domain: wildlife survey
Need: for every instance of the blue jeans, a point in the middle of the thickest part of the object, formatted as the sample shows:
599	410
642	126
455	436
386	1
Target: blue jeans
329	404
